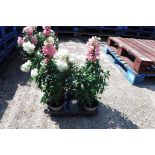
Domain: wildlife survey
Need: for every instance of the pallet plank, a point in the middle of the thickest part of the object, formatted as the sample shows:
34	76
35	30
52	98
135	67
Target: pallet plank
141	47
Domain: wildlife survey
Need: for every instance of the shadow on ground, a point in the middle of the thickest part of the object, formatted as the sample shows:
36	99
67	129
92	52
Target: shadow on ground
148	83
107	118
10	77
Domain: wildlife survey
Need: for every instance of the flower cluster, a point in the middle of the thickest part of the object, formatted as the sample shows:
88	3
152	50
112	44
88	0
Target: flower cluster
47	31
48	49
28	47
38	47
26	66
56	70
93	46
28	30
61	59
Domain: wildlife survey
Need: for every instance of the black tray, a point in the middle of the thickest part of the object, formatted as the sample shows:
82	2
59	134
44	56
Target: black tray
71	108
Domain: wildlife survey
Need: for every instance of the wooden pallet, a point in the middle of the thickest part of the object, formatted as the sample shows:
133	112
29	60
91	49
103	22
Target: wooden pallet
131	75
139	54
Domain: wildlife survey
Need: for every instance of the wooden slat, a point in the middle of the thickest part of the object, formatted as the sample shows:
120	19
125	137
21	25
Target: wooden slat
133	51
139	49
152	44
128	61
148	49
147	44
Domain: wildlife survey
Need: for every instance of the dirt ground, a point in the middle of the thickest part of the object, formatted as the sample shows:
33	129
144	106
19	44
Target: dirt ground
122	104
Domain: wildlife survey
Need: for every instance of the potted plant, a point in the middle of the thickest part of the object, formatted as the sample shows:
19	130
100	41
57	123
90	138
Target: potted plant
91	78
51	81
58	72
39	49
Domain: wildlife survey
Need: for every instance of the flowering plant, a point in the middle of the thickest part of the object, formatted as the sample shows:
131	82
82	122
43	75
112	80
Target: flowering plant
91	78
48	65
57	71
37	47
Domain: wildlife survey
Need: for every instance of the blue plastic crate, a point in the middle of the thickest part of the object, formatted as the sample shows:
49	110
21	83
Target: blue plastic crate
3	49
63	29
139	32
2	34
76	29
90	27
140	28
112	27
11	40
7	45
7	31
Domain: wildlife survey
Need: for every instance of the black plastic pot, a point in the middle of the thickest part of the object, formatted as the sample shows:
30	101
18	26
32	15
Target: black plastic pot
91	108
56	106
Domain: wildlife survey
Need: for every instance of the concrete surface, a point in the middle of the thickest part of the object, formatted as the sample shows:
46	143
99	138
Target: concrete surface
122	104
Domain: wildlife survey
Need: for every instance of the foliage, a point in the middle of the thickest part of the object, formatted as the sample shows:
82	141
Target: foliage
57	71
91	82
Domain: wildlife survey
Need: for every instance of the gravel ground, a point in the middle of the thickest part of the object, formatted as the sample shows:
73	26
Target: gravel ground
122	104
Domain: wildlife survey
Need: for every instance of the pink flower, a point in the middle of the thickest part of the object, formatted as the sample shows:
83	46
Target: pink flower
49	50
93	53
46	60
34	40
91	58
48	28
20	41
97	52
93	47
28	30
47	32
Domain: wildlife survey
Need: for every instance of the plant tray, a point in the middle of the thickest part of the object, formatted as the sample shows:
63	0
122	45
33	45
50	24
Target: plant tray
71	108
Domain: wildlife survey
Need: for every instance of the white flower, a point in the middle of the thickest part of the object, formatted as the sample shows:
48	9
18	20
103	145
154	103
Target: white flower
42	63
94	40
61	55
34	27
40	35
52	33
28	47
34	72
77	59
49	40
61	65
39	53
26	66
